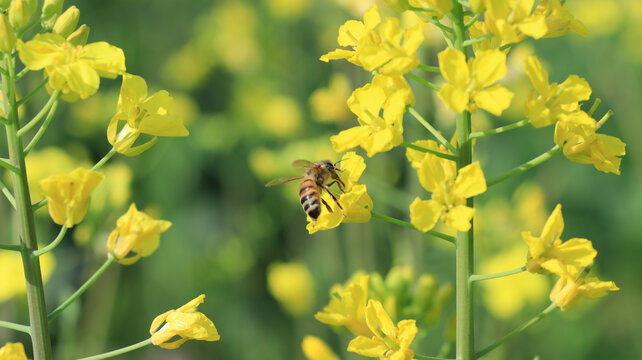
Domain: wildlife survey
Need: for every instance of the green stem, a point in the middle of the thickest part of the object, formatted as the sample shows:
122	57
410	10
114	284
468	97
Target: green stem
432	130
22	73
105	158
432	20
40	337
54	314
45	109
496	275
596	103
7	165
39	204
34	92
408	225
42	129
434	152
478	39
527	165
13	326
53	244
520	329
516	125
12	247
429	68
506	46
474	19
464	249
423	82
7	194
111	354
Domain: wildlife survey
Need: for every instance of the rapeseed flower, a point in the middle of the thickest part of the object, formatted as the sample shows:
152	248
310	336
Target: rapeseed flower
143	115
135	232
380	118
388	341
573	285
292	285
559	19
449	193
548	247
68	195
73	69
438	8
348	307
470	84
547	103
186	323
13	351
355	201
576	134
513	20
316	349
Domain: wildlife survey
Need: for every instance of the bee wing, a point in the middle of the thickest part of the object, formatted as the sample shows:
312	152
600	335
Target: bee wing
282	180
302	163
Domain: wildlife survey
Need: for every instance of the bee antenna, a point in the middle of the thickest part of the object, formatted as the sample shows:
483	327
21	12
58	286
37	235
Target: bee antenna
337	163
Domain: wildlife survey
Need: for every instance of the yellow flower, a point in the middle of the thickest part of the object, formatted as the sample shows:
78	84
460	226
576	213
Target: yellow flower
7	35
329	104
575	133
513	20
449	194
416	157
439	7
548	247
380	50
355	201
73	69
470	85
376	133
13	351
13	277
572	285
315	349
559	19
143	115
389	341
135	232
292	285
348	307
68	195
185	322
548	102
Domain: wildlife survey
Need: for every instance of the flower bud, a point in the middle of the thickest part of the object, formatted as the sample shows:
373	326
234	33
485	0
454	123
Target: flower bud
66	23
51	9
4	4
19	14
80	36
399	279
425	292
7	36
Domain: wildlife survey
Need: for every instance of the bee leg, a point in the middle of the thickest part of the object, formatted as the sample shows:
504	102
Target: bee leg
325	187
326	205
339	183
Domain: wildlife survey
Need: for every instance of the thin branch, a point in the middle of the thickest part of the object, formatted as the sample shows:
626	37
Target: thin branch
408	225
516	125
423	81
5	164
39	204
14	326
114	353
42	129
496	275
478	39
52	99
474	19
436	153
429	68
432	130
8	194
11	247
34	92
53	244
527	165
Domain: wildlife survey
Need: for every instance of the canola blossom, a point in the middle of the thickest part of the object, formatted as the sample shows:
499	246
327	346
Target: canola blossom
549	248
576	135
68	195
73	69
316	349
355	201
142	115
470	84
137	233
348	307
13	351
186	323
573	284
389	341
450	189
378	46
547	103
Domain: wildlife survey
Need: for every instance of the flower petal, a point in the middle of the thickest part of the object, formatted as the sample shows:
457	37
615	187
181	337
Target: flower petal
424	214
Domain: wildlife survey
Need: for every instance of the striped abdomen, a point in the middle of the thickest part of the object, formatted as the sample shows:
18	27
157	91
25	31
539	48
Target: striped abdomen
310	198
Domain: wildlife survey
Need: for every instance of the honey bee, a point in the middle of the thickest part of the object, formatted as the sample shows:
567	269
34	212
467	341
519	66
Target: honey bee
314	181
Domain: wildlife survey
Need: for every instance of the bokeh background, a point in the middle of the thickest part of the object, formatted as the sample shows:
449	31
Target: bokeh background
246	77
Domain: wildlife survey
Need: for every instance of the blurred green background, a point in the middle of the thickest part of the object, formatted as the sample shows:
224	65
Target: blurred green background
246	77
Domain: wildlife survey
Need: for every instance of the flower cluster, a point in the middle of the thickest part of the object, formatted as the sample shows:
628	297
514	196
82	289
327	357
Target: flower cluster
569	260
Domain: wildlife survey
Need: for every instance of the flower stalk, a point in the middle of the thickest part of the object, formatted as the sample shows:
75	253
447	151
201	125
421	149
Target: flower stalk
117	352
39	331
464	249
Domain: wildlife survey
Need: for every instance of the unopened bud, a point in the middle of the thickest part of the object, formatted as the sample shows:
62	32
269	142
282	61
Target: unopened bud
51	9
80	36
399	279
425	292
19	14
66	23
7	37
